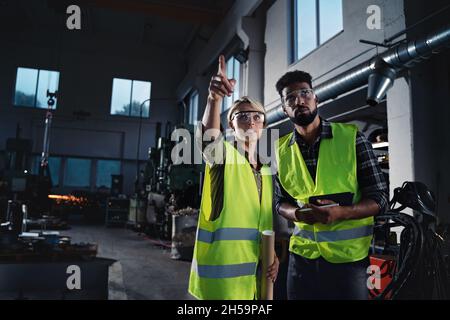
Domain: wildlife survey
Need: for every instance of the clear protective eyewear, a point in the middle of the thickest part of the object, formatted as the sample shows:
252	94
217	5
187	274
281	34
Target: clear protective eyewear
247	116
291	98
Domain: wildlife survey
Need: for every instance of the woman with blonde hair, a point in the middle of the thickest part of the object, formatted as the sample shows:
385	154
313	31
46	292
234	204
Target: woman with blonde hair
236	201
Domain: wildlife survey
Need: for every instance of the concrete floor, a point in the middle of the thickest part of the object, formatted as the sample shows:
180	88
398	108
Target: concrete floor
143	271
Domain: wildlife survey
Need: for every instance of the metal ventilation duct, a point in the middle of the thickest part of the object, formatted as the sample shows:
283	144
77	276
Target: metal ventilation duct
379	72
379	81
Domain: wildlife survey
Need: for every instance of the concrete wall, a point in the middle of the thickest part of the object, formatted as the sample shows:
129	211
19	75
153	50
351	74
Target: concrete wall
87	67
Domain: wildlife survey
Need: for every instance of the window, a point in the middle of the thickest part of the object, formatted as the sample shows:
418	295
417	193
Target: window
193	108
32	86
233	72
106	168
77	173
128	96
315	21
54	165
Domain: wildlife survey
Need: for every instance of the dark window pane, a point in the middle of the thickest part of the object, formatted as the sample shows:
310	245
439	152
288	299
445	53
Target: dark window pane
26	82
77	173
128	96
105	168
35	164
330	13
120	101
48	80
141	92
54	165
306	28
30	82
237	77
193	108
232	73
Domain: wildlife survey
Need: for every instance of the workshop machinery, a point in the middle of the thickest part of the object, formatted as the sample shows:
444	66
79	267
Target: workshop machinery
168	189
17	181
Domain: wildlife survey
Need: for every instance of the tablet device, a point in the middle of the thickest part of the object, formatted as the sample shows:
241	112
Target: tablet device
343	198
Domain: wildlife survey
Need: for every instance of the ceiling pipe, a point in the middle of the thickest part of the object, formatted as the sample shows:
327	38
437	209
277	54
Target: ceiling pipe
378	72
379	81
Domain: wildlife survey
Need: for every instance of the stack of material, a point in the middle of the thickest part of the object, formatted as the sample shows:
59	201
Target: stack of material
184	226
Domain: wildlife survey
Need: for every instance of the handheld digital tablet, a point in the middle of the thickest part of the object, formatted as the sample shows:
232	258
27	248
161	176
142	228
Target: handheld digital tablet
343	198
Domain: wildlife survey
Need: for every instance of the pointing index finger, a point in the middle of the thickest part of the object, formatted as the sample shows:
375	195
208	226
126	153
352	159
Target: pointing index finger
222	66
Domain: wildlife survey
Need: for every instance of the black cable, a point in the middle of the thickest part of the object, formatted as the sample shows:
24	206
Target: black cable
421	271
406	260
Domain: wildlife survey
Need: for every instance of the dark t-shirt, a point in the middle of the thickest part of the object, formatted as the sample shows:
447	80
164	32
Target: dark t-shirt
213	151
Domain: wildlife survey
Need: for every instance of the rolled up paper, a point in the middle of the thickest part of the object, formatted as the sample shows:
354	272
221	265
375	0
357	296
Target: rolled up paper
268	255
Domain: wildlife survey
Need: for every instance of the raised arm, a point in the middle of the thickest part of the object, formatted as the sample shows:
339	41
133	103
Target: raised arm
219	87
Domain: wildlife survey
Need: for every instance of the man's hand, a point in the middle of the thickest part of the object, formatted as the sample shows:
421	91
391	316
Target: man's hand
272	271
307	217
220	86
363	209
325	215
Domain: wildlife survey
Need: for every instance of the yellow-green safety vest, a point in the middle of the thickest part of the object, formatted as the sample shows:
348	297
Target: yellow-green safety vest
341	241
227	250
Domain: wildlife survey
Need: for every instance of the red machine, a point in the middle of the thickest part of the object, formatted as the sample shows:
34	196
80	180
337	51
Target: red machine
382	271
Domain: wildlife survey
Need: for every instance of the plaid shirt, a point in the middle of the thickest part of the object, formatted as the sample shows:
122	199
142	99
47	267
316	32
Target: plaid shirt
371	180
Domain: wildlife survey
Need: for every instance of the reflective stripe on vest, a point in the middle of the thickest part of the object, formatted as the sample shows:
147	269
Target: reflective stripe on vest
224	271
339	235
228	234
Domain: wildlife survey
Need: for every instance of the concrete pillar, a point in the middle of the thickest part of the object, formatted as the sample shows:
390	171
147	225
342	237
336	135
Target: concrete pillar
400	137
400	134
251	31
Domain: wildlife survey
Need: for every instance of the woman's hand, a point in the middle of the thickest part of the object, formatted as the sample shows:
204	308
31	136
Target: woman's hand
272	271
220	86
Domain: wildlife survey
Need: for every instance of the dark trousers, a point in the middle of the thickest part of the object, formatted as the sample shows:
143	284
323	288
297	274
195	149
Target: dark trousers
318	279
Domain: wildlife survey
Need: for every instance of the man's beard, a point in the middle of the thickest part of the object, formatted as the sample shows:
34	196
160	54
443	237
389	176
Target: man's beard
303	119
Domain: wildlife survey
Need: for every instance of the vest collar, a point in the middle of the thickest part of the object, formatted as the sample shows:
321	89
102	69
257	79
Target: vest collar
262	159
325	132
